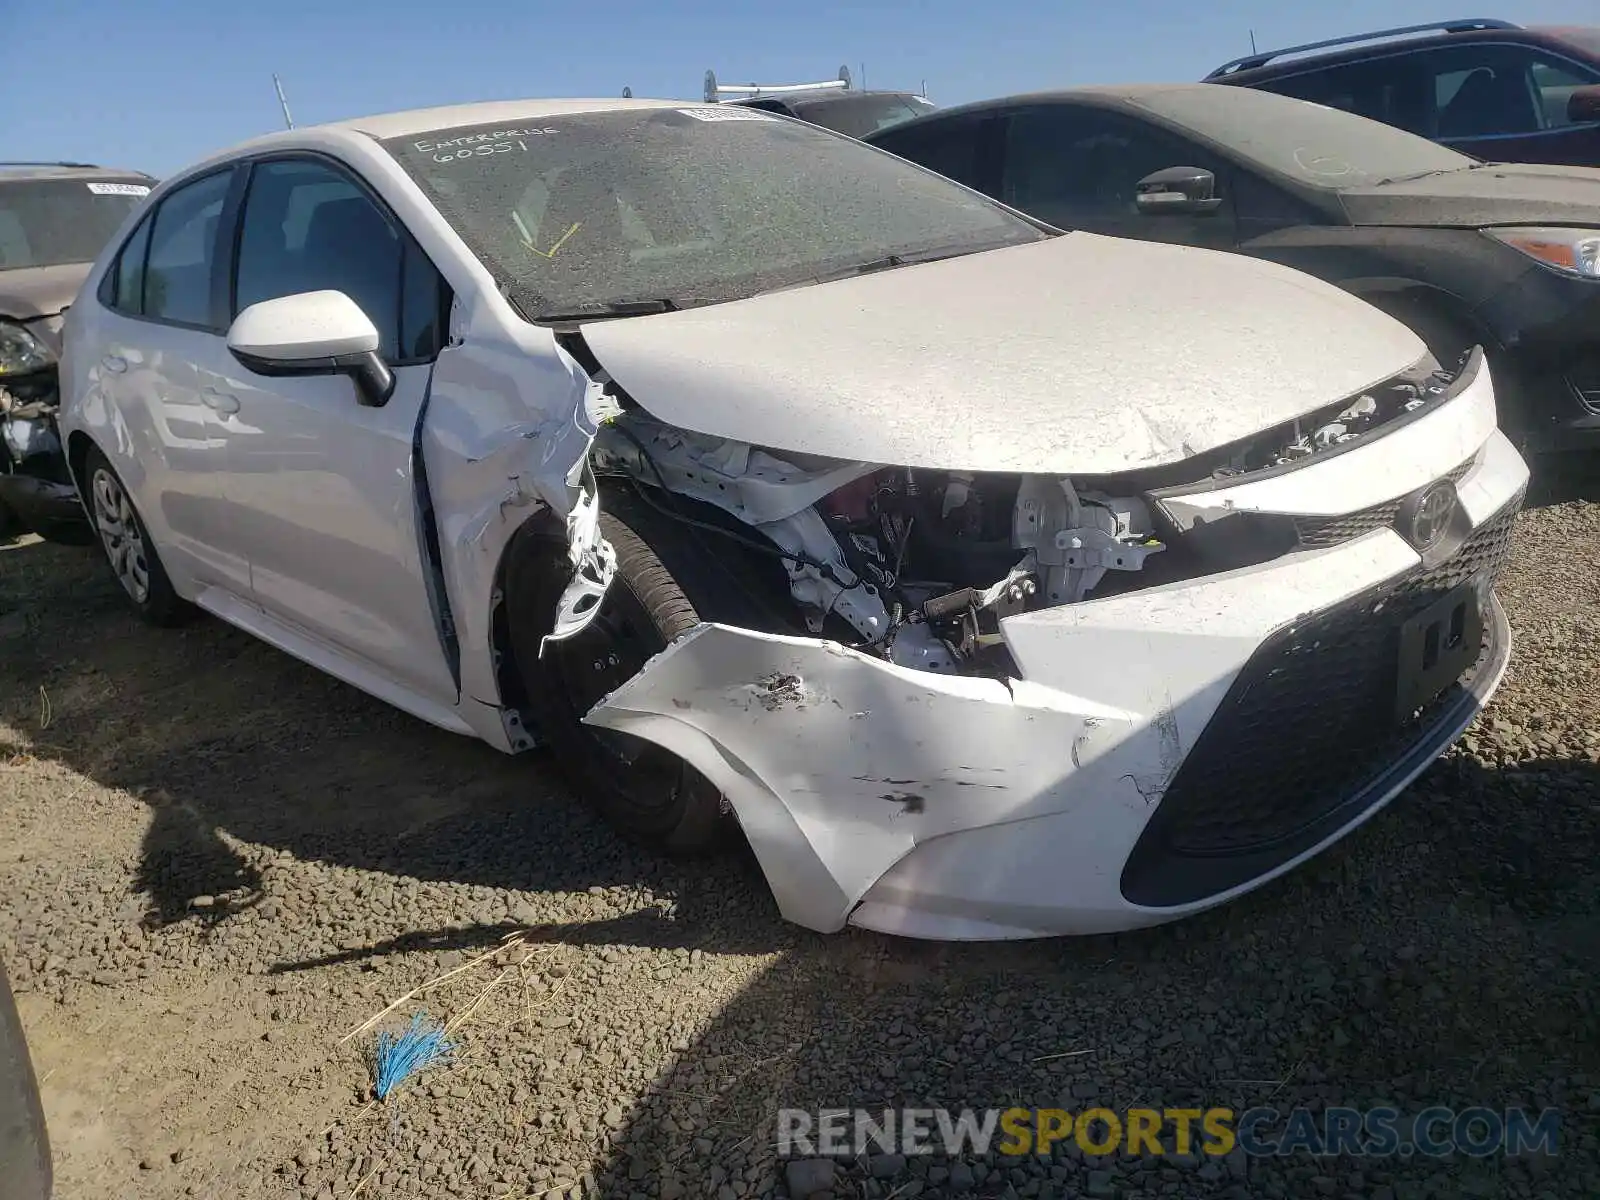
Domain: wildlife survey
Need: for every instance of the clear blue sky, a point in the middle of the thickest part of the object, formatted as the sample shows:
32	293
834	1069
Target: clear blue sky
156	85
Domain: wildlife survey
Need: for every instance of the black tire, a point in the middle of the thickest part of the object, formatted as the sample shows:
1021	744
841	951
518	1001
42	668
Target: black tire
156	602
644	791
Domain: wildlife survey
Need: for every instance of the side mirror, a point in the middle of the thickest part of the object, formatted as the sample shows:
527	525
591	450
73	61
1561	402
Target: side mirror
1177	190
313	333
1583	105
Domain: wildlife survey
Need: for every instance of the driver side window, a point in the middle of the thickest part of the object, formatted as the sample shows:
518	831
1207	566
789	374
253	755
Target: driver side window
306	226
1077	167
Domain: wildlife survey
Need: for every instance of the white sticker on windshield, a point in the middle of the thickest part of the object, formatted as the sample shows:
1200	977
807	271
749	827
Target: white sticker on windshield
119	189
730	112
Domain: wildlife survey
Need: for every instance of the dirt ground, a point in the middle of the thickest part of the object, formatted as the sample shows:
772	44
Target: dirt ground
215	863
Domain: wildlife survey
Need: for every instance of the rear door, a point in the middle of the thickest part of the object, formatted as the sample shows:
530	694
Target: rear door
326	488
158	328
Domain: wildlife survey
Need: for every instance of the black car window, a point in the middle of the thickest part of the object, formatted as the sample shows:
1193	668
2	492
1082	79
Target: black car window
1553	85
1392	89
51	222
308	227
1493	90
182	253
123	289
862	113
952	147
1073	165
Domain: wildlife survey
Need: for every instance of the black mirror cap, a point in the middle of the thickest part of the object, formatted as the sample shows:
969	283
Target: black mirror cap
1583	105
1190	190
373	379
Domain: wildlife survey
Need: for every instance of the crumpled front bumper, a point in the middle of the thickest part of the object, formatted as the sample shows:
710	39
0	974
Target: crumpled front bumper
35	484
1129	776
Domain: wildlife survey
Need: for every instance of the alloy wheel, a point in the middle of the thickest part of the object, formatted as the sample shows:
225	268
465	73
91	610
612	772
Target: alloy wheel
120	534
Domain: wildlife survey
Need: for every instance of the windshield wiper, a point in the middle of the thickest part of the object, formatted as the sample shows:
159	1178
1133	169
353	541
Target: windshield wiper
605	310
888	262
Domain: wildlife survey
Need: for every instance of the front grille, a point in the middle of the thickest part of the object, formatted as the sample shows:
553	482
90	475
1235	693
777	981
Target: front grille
1306	727
1318	533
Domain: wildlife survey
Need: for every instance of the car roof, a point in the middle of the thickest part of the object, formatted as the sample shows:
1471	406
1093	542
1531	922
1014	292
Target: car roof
1103	95
16	172
808	99
1549	37
425	120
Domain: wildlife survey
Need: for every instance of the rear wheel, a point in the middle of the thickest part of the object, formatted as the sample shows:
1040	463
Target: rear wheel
128	549
644	790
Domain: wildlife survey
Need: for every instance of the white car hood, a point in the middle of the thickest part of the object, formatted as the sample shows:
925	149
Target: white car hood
1080	355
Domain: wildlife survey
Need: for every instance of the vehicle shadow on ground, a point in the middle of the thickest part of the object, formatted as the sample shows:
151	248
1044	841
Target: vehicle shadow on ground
225	738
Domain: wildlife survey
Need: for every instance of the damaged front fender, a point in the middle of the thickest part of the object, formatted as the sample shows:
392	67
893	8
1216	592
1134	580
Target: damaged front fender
838	764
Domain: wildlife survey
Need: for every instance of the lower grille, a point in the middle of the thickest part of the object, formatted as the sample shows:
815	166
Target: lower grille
1318	533
1305	729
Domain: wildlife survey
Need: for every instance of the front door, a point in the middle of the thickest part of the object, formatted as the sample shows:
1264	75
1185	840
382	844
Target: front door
325	487
1079	167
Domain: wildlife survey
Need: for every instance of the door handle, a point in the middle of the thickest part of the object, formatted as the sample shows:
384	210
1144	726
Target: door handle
222	402
115	363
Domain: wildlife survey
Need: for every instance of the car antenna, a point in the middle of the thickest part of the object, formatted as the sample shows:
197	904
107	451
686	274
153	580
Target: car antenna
1252	41
288	121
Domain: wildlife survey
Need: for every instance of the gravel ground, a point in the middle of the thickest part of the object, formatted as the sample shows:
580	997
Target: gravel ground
217	863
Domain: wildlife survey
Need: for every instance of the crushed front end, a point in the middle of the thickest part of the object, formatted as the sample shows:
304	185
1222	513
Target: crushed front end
1012	706
36	488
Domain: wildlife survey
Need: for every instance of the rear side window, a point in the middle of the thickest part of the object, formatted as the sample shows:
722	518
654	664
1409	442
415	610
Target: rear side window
127	278
182	253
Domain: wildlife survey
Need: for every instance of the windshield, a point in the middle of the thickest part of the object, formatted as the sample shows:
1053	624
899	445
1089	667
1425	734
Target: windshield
1320	146
688	205
861	115
51	222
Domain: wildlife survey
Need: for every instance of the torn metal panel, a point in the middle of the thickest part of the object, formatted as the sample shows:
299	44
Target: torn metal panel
507	439
1391	463
837	763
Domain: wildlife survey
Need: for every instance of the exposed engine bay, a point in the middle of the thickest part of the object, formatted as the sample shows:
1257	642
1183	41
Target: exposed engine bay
35	484
922	565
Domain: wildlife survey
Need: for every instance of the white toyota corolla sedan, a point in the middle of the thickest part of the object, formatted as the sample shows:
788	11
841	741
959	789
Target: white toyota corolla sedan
993	580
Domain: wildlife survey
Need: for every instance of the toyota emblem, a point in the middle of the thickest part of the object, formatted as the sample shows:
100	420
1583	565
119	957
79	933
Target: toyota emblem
1427	515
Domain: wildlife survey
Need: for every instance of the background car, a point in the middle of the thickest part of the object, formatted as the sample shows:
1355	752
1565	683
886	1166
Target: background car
1466	254
54	219
834	103
1486	87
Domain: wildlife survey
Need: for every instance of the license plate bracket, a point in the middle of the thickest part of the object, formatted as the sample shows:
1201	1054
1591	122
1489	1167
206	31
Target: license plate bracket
1436	648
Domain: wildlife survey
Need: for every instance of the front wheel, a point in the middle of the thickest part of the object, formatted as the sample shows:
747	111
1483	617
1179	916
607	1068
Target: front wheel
128	549
645	791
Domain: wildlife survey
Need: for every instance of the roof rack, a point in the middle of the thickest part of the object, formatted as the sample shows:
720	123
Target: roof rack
42	163
714	90
1461	25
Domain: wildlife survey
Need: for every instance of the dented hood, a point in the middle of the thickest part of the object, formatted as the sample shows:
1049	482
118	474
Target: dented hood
1079	355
